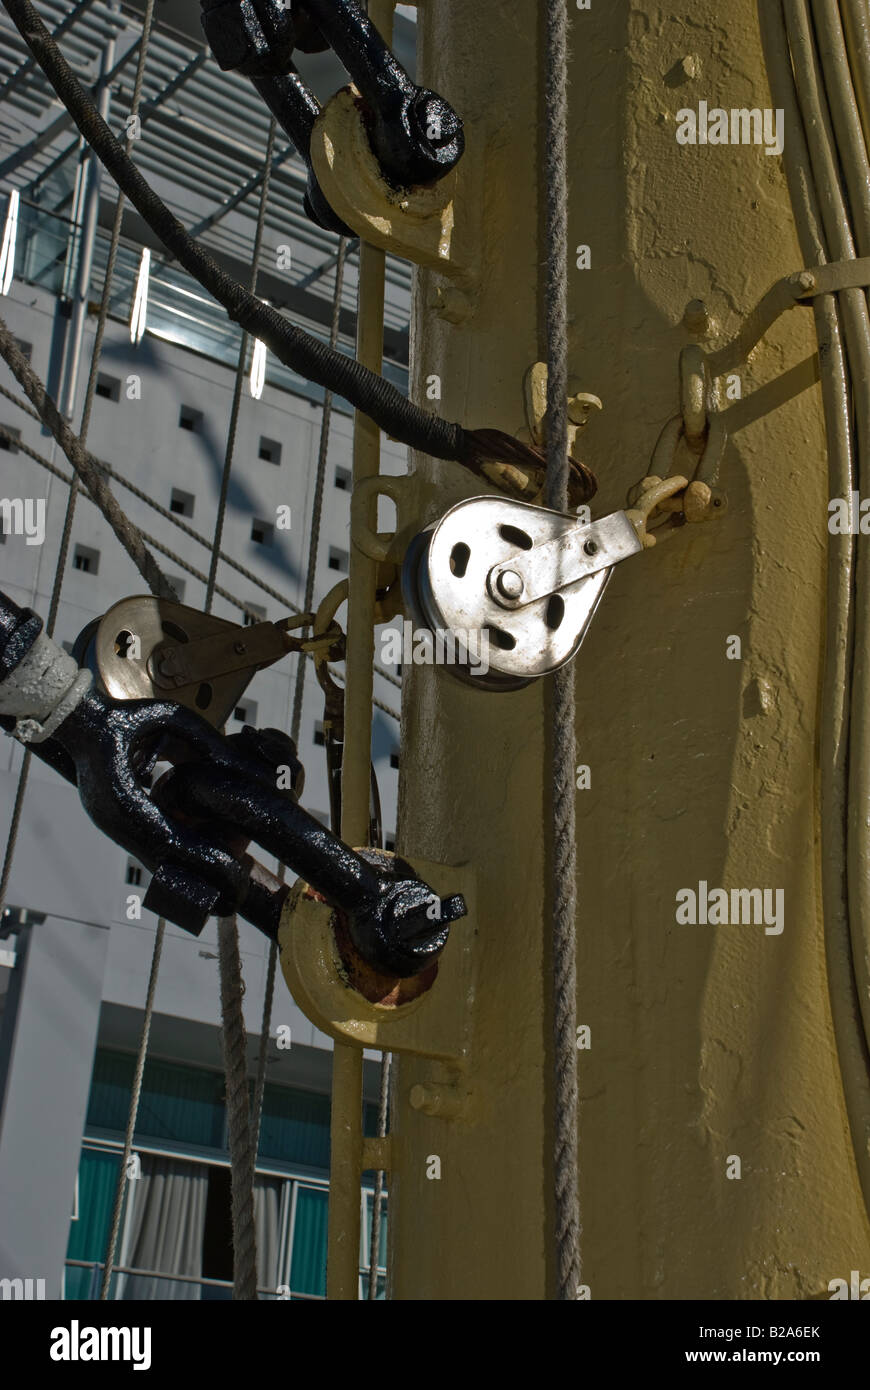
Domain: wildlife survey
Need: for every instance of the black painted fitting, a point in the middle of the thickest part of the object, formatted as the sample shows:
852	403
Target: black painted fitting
19	629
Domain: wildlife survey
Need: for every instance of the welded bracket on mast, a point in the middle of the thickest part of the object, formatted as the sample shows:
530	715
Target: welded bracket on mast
431	225
701	426
353	1003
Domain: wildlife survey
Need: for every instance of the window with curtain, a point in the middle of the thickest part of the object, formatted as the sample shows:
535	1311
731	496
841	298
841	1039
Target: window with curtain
178	1104
365	1245
98	1178
167	1223
177	1213
308	1267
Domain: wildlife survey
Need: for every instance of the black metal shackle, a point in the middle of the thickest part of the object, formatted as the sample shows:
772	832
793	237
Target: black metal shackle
416	135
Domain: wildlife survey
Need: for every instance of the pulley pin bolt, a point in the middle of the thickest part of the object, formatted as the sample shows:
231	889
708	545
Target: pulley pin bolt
591	547
510	584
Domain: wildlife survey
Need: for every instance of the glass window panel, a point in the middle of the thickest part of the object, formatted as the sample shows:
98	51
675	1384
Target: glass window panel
180	1104
365	1235
308	1270
98	1178
295	1127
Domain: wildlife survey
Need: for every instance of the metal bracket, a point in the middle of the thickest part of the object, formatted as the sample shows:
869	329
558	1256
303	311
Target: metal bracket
706	430
176	664
581	405
553	565
427	225
424	1016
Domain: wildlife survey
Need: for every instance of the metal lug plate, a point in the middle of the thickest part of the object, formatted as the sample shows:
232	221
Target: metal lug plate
126	670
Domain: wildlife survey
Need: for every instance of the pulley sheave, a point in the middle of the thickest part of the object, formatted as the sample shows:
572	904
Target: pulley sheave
523	580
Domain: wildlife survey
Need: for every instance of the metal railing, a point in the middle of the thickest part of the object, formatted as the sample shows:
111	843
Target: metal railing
282	1294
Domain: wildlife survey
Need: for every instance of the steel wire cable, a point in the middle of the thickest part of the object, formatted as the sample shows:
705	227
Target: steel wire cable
173	555
826	150
563	850
241	1123
317	502
843	330
231	989
364	389
10	352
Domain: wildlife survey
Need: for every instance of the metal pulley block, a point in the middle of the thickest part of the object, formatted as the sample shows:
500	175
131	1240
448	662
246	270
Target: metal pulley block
192	827
525	581
157	649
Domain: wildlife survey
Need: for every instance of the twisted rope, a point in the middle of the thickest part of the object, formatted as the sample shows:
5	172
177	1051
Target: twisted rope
85	466
242	1155
362	388
53	419
242	1141
563	867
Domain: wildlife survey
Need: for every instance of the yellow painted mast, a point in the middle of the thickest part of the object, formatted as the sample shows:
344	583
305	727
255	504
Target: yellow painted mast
706	1042
718	1157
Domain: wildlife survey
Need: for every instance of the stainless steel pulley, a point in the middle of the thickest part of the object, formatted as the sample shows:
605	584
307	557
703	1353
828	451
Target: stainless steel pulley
154	648
514	585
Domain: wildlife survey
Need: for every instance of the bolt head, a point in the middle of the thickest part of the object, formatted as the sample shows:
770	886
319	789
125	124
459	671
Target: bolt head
696	318
510	584
591	547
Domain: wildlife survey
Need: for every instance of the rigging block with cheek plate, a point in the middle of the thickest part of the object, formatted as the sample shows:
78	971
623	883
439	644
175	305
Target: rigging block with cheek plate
526	579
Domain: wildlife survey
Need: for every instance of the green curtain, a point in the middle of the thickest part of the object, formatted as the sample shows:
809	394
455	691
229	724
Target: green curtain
98	1178
295	1127
181	1104
308	1268
186	1105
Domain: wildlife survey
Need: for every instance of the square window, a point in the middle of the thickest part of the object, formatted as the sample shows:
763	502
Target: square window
263	532
109	387
245	712
394	759
8	436
253	614
86	560
338	560
190	419
181	502
390	842
270	450
342	479
319	735
134	873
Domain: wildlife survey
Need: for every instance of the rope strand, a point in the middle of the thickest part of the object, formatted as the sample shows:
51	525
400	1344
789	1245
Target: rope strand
563	866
